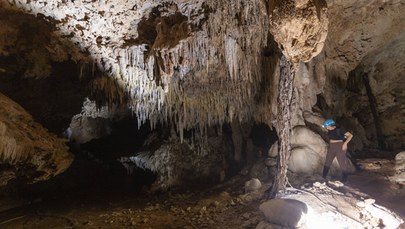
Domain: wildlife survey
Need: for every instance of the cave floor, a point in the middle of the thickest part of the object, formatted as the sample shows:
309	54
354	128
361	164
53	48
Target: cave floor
217	207
222	206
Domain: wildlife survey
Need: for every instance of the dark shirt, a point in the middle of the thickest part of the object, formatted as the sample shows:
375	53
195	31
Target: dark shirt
337	134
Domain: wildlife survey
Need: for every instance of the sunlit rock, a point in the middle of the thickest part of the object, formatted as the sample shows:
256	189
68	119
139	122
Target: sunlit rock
284	212
322	206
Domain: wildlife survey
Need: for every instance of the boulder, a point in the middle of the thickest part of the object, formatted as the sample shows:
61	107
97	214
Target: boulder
273	151
399	169
252	185
304	160
28	152
303	136
309	152
284	212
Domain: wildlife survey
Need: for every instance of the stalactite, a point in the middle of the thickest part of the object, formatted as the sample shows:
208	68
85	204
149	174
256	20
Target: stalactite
220	60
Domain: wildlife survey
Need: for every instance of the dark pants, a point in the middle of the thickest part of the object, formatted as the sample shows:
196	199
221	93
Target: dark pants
335	150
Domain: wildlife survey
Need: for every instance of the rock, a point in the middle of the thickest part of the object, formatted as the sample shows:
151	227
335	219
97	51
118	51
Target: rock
317	184
273	151
303	136
259	170
337	184
361	204
302	37
92	122
400	156
270	162
399	169
266	225
304	160
315	119
252	185
376	49
176	162
342	210
309	152
369	201
284	212
27	150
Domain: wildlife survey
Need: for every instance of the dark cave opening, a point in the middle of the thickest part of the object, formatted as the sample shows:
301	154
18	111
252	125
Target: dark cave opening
263	136
96	170
104	153
42	97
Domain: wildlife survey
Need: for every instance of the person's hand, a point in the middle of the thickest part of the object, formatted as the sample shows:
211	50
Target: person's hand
344	146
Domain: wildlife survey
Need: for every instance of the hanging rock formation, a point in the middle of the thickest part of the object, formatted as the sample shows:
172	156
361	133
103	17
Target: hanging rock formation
166	76
299	27
28	153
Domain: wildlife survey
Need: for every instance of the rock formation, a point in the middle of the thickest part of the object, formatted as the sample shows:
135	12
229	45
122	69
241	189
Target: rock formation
28	153
203	63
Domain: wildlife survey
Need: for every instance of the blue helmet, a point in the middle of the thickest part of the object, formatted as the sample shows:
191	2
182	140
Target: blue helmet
329	122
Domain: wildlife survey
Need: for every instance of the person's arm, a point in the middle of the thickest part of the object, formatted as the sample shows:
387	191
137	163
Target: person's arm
349	137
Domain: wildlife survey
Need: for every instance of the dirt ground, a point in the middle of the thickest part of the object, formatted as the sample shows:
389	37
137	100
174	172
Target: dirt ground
222	206
217	207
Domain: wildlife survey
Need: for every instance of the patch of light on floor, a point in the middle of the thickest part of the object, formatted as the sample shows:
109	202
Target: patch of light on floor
328	220
332	220
386	219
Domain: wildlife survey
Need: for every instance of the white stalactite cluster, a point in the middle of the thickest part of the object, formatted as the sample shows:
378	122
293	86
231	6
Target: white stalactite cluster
219	59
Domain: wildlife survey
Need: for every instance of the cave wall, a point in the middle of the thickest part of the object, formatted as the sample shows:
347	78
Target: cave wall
363	37
28	152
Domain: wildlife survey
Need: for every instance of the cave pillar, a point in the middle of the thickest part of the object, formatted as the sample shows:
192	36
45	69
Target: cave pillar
300	29
283	125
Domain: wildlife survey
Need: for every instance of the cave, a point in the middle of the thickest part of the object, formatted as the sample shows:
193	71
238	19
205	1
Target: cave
202	114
